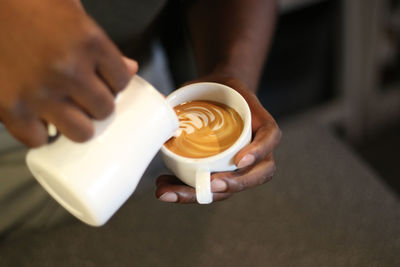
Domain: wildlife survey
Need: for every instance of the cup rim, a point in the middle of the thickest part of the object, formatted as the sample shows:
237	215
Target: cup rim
242	137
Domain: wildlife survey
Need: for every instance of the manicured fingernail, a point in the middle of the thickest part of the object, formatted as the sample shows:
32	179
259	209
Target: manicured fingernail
169	197
246	161
218	185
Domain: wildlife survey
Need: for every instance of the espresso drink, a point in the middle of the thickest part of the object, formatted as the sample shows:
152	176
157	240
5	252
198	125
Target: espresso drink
206	128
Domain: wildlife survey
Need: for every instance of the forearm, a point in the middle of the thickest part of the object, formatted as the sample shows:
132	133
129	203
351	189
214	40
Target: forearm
232	37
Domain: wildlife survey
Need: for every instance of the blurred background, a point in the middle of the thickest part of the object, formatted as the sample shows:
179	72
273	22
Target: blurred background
341	61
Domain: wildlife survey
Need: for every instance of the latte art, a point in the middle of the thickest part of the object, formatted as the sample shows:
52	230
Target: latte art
206	128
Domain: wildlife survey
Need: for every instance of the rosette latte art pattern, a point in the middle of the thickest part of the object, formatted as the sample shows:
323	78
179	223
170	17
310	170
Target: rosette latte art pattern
206	128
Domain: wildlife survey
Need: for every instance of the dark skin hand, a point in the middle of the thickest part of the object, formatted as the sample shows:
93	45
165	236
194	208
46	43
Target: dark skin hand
230	40
56	66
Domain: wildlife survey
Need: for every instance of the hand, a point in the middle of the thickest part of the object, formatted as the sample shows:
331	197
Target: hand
56	66
255	161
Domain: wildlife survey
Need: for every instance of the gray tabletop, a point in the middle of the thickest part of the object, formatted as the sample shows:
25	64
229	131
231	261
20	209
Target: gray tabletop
324	207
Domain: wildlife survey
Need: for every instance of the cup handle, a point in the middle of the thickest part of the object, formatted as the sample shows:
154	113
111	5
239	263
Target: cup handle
203	187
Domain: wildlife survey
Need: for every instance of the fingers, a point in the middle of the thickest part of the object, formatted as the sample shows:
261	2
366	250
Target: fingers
91	97
171	189
245	178
94	97
132	65
30	131
112	68
266	138
69	120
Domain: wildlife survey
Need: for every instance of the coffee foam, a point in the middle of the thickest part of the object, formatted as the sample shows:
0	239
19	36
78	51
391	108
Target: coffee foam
206	128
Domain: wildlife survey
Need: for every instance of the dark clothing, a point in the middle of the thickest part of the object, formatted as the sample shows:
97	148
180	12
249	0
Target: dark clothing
130	24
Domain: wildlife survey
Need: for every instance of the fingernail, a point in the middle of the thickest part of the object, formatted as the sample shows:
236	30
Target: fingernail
246	161
218	185
169	197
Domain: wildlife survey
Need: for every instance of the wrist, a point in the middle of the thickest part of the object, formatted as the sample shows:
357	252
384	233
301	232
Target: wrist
231	73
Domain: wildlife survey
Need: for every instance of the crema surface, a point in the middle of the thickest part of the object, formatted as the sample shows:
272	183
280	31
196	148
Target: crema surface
206	128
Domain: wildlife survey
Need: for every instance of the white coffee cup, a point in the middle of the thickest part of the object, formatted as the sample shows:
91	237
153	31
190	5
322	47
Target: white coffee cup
93	179
194	171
